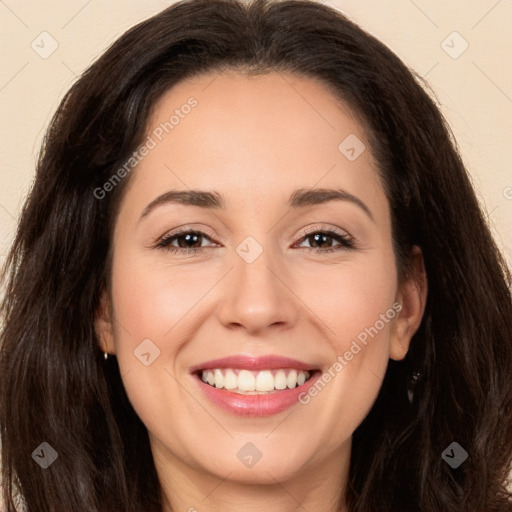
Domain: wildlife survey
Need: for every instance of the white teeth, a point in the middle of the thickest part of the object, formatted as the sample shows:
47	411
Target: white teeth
219	379
265	381
253	382
246	381
230	380
280	380
291	380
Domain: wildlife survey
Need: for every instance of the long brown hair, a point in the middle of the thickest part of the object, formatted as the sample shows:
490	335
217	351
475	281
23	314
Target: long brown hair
55	385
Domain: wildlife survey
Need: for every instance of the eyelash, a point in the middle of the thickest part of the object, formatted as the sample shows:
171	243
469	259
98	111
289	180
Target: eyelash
346	241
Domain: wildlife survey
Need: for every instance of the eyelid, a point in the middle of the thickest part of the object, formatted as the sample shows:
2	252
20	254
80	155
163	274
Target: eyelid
187	229
324	228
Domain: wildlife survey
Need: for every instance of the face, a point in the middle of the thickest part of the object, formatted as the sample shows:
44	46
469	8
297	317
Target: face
273	278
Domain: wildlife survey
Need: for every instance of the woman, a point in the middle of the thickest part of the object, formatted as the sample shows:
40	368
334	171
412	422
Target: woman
170	343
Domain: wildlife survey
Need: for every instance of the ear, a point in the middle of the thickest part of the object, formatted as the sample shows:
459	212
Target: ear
103	324
412	296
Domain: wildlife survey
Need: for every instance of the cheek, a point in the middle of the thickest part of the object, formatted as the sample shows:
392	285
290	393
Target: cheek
357	307
353	297
157	310
155	301
150	315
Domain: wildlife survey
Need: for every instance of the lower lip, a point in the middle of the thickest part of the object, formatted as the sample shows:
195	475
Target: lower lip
256	405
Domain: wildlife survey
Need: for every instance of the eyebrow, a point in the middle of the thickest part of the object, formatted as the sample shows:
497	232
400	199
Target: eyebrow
213	200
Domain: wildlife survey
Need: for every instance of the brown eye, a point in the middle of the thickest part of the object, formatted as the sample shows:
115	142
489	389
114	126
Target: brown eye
322	241
188	241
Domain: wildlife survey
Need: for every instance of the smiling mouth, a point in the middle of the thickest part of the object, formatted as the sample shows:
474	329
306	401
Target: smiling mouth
252	382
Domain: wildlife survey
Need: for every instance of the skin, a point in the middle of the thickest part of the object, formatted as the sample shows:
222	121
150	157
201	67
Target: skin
255	140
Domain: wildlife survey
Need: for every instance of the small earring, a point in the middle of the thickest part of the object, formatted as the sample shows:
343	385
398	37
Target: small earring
412	384
105	355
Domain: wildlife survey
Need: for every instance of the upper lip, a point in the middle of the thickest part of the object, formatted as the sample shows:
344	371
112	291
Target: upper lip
247	362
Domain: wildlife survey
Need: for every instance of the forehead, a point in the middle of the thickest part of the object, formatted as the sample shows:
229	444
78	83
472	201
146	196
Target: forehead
254	137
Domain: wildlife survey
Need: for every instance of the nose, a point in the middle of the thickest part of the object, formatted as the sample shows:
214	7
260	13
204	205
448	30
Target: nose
258	295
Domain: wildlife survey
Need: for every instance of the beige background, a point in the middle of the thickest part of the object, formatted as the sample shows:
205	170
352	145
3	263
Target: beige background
475	89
